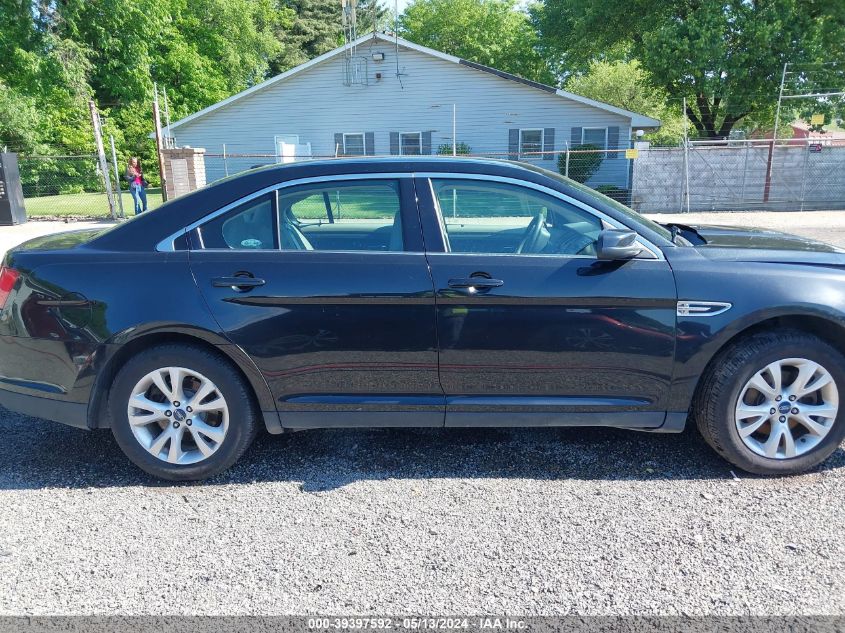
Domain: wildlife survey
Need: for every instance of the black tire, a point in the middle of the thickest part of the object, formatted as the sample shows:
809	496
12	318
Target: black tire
243	418
716	398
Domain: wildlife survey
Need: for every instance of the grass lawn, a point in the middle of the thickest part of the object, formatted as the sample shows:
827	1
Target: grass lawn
85	204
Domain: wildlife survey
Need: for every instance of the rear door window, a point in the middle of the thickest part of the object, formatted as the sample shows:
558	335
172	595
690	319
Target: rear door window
342	216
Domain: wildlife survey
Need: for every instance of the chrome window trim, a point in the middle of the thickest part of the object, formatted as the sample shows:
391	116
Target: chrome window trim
657	254
308	253
167	244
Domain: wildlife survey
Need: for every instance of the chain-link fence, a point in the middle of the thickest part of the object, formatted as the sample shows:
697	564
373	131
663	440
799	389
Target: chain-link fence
62	185
606	169
73	186
793	174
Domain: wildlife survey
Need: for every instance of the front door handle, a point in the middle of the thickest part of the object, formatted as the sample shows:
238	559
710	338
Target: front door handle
476	282
238	282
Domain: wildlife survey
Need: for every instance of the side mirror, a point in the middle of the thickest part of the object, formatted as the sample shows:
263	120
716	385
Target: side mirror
617	244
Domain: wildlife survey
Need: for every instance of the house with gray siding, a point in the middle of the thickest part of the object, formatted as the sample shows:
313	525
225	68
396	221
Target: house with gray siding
383	95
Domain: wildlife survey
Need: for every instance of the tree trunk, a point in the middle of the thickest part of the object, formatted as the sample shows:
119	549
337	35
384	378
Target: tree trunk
704	119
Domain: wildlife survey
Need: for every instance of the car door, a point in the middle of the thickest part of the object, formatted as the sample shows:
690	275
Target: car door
533	329
325	285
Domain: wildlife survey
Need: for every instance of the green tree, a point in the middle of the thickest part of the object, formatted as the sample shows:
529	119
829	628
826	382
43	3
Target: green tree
314	27
724	56
490	32
626	85
583	162
43	81
19	120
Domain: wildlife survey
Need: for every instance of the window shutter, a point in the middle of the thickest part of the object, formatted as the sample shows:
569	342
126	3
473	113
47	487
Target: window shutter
548	143
394	143
338	143
370	143
613	140
513	144
426	144
575	139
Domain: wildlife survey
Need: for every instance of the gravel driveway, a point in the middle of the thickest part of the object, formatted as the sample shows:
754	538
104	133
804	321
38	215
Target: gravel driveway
551	521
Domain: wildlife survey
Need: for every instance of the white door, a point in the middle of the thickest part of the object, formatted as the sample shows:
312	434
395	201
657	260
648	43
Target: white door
286	147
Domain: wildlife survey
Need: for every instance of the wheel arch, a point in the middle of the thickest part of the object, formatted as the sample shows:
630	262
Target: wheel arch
826	327
116	355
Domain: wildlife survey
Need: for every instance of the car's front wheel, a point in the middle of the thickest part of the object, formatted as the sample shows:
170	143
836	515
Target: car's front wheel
181	412
771	403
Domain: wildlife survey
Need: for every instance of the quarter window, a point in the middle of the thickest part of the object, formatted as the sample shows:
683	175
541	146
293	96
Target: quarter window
410	143
251	225
531	144
492	217
353	144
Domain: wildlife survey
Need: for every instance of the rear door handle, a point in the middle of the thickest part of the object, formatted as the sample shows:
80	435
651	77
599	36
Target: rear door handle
237	283
475	282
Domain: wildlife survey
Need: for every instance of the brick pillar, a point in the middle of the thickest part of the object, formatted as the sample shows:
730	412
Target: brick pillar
184	169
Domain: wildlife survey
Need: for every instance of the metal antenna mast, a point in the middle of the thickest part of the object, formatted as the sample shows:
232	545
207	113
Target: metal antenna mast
349	19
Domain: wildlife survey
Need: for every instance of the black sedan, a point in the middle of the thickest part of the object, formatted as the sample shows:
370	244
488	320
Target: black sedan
422	293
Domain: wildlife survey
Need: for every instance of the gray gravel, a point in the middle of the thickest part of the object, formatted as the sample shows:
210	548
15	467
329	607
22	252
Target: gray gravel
550	521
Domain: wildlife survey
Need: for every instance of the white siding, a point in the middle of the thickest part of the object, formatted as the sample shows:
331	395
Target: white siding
315	105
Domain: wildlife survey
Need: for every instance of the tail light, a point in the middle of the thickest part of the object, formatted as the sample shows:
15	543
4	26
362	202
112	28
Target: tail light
8	277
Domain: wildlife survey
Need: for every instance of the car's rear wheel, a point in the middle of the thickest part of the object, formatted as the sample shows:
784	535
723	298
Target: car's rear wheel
181	412
771	403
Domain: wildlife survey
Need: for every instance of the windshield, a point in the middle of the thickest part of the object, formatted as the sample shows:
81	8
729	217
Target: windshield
617	206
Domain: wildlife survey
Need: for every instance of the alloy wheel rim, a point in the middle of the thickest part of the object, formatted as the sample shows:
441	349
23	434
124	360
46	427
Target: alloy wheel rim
178	415
787	408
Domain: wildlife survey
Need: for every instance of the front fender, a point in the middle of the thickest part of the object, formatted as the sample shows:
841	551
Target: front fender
758	292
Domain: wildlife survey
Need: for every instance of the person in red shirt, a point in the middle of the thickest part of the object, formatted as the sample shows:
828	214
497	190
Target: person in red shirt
137	184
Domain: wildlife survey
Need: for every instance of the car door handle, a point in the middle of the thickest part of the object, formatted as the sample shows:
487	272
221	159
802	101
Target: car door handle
238	282
475	282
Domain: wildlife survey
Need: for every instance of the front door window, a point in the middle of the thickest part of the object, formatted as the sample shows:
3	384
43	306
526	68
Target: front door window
500	218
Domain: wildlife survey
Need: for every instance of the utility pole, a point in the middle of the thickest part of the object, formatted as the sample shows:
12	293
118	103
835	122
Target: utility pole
454	129
769	162
157	124
116	176
167	118
101	154
686	157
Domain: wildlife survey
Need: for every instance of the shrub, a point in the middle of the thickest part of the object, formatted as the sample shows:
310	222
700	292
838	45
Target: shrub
461	149
584	161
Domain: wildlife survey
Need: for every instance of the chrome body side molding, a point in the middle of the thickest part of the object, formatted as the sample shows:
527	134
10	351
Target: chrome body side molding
702	308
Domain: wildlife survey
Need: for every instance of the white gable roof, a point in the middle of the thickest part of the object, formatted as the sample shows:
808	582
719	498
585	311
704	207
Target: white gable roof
637	120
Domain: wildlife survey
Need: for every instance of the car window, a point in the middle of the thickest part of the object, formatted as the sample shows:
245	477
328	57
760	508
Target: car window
493	217
342	216
248	226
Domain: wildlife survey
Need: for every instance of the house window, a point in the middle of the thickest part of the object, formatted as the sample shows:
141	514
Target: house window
530	144
594	136
410	143
353	144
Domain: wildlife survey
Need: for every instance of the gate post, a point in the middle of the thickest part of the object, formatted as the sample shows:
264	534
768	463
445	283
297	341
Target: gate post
101	155
184	170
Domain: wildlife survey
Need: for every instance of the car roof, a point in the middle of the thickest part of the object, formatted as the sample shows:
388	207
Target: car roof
145	231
